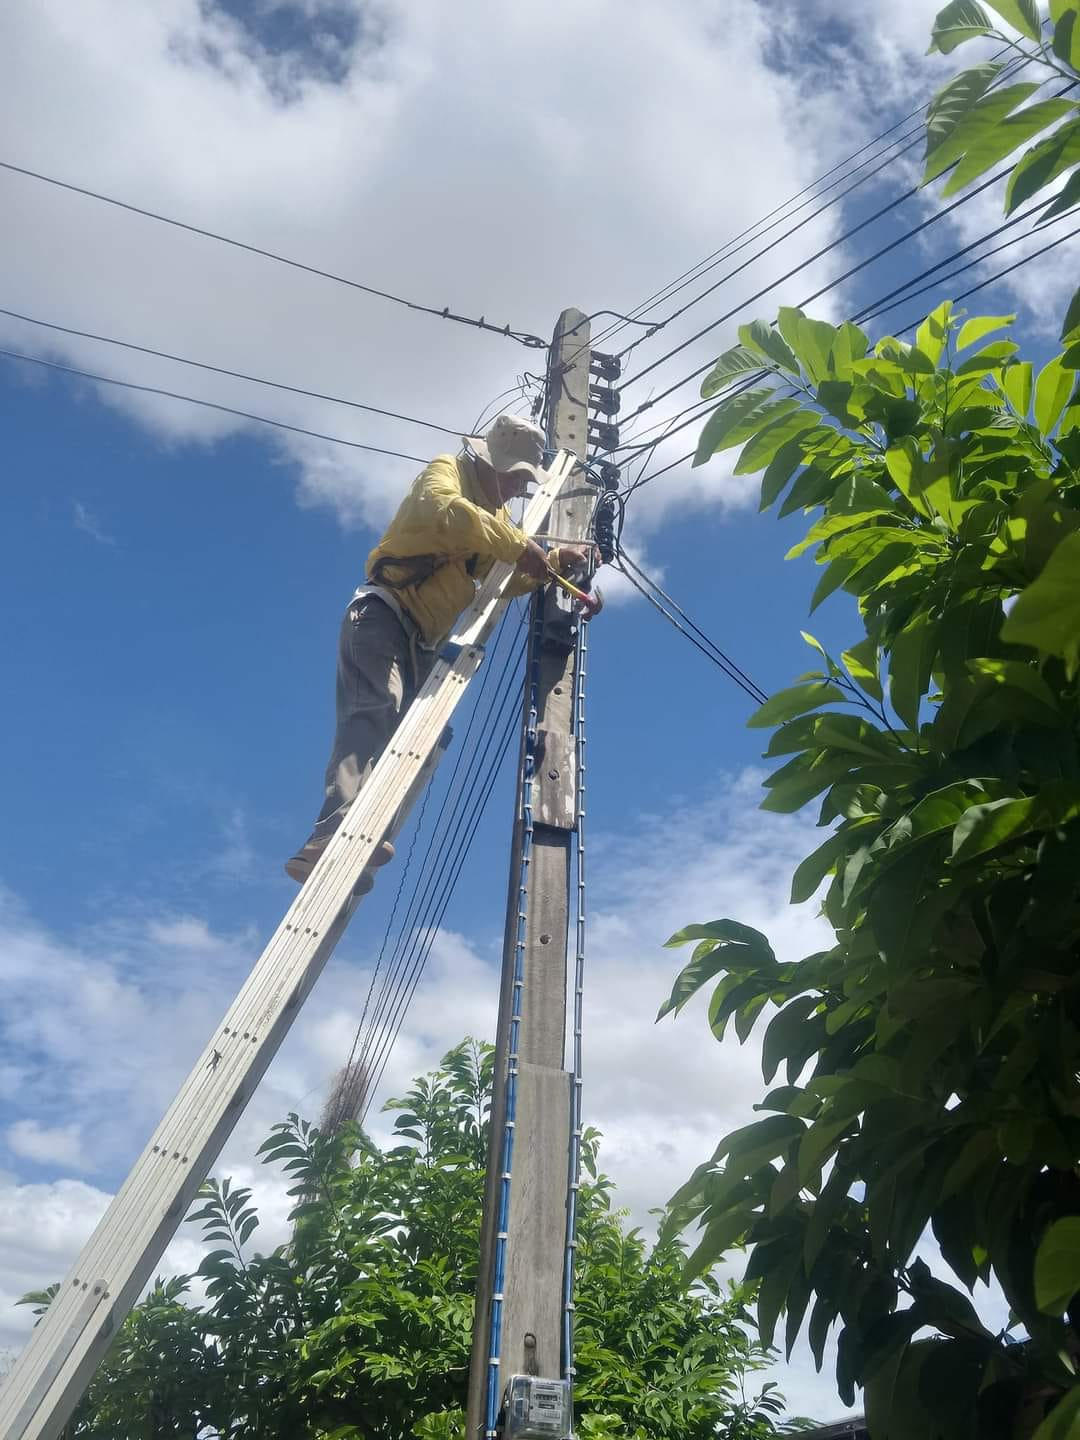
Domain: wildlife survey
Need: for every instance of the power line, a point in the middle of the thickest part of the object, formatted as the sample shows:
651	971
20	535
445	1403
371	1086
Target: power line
422	956
726	251
447	825
693	632
207	404
1000	274
832	284
444	313
233	374
806	220
645	479
824	289
416	939
907	292
439	845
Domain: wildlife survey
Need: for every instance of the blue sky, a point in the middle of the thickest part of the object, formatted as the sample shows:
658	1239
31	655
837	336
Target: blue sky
173	580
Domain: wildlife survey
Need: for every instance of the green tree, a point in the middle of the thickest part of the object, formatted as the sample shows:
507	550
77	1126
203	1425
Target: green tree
361	1325
981	117
931	1055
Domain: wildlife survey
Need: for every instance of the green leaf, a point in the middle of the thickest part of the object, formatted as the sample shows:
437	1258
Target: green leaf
980	325
992	357
1017	675
1057	1266
1016	381
809	875
1070	328
994	143
1047	614
753	1146
985	827
766	341
1068	196
780	470
960	20
931	335
735	420
811	340
1066	42
797	700
910	662
918	479
1022	15
1063	1422
783	1029
850	344
833	578
863	666
733	363
954	100
831	525
1052	391
765	445
1042	164
983	117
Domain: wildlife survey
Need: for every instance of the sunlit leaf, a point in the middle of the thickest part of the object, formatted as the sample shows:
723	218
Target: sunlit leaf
980	325
1042	164
959	21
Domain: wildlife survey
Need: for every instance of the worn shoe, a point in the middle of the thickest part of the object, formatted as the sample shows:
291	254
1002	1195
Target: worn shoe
300	866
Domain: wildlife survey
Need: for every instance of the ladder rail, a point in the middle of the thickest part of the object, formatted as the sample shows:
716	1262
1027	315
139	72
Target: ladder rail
69	1342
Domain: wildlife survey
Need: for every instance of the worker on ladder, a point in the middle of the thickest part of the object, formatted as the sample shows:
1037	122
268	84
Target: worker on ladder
448	532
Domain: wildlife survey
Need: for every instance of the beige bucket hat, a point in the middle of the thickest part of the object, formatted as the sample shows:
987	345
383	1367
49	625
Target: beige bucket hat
511	444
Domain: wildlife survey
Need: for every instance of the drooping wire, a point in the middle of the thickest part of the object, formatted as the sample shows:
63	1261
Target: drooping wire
442	313
222	370
206	404
451	836
466	762
377	968
674	614
438	846
419	935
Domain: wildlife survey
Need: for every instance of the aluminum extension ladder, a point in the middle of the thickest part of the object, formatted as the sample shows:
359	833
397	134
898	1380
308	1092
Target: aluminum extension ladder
70	1341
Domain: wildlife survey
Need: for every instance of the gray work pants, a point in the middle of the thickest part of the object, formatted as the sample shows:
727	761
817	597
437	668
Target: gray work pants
378	674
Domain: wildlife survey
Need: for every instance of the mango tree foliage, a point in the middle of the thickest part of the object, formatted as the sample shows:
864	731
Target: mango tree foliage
360	1327
984	115
925	1066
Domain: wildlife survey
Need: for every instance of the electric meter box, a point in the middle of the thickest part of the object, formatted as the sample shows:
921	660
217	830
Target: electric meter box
537	1409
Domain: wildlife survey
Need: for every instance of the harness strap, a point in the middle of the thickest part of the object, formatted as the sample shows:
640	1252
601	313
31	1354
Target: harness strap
417	569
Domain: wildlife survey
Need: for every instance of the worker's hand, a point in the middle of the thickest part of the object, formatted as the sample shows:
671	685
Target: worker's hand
533	561
575	559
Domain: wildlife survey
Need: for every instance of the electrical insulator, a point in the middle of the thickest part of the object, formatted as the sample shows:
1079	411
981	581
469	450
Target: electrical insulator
608	367
606	400
607	436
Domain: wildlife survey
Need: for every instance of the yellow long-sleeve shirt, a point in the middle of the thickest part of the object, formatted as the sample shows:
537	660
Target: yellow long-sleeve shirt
446	514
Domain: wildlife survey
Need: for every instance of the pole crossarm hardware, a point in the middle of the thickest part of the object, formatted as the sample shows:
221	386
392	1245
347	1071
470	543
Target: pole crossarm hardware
520	1373
70	1341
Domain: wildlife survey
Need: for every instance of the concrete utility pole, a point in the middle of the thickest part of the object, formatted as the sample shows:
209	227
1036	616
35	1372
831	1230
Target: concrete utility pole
532	1305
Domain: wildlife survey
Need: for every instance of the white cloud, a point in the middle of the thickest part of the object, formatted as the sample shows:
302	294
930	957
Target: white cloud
48	1145
507	196
85	520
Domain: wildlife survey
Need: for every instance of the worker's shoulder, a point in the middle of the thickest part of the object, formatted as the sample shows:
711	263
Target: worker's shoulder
443	467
